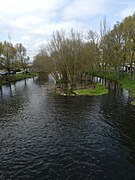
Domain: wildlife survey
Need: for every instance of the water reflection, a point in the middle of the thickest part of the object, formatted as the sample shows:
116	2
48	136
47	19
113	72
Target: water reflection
116	88
121	115
55	137
1	92
13	97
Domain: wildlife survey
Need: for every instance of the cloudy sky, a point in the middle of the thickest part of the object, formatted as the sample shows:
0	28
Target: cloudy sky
31	22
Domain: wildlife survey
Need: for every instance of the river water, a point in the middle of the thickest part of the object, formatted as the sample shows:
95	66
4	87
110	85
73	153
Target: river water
49	137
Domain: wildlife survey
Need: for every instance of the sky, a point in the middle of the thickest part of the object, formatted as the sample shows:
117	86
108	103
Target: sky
32	22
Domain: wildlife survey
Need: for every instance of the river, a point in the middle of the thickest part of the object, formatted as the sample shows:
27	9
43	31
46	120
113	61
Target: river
49	137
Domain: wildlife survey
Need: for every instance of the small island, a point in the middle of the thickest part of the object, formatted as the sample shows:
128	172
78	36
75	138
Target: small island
93	89
97	89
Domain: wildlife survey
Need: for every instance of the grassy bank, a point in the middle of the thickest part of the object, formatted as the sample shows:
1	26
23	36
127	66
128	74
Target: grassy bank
106	74
15	77
97	90
92	89
123	79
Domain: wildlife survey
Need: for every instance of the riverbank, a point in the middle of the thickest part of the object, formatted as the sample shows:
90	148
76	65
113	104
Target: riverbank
93	89
124	79
6	79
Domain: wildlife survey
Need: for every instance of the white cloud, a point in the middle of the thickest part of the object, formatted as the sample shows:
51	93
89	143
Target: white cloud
84	9
32	22
26	22
29	6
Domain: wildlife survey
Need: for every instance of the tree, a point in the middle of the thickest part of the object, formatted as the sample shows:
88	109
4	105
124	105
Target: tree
42	61
21	58
68	55
118	45
129	34
92	53
1	49
8	54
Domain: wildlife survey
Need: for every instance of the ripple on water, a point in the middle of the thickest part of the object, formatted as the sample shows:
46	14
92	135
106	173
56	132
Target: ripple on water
52	137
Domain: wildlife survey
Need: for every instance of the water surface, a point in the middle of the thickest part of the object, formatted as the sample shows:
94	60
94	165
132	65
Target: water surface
52	137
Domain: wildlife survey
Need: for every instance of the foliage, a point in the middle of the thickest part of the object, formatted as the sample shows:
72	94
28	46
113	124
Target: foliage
16	77
72	57
21	58
12	57
97	90
42	62
124	80
8	53
118	46
133	103
128	84
112	75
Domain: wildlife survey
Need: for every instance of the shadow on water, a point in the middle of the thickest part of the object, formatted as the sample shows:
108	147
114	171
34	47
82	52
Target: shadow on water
13	98
58	137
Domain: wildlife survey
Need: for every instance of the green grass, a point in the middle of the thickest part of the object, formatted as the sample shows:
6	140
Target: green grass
128	84
124	80
112	75
2	81
98	90
16	77
133	103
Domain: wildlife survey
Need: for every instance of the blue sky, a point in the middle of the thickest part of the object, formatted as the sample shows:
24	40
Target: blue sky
32	22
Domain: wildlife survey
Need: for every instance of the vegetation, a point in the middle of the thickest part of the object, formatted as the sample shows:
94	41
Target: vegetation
97	90
124	79
42	62
13	78
128	84
21	58
69	56
13	57
133	103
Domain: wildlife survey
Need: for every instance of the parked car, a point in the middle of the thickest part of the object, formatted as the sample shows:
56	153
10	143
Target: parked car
6	73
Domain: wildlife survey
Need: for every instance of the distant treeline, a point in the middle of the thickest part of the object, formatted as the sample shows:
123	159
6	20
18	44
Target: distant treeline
70	56
12	57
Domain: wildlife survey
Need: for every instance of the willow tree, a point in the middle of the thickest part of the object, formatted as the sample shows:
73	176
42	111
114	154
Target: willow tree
76	60
67	54
59	55
42	63
71	56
